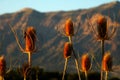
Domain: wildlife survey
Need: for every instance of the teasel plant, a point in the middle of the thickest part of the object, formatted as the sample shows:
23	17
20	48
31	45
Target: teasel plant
107	63
102	33
85	64
67	53
30	41
2	67
69	32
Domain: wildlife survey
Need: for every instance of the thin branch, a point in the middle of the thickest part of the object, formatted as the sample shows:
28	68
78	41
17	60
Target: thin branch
65	68
17	40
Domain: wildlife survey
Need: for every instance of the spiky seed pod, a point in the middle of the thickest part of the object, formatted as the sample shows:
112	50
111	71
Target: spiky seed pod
2	65
85	62
30	39
102	27
69	30
107	62
67	50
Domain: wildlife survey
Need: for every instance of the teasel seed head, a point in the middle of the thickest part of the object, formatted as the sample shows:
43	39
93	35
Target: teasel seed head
67	49
85	62
30	39
107	62
102	27
2	66
69	30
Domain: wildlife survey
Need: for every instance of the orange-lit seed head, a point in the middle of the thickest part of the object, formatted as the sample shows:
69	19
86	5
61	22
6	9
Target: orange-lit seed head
67	50
2	65
30	39
85	62
107	62
102	27
69	30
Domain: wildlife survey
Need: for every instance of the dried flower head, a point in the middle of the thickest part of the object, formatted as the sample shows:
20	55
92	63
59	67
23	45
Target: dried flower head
85	62
69	30
2	65
67	50
30	39
102	27
107	62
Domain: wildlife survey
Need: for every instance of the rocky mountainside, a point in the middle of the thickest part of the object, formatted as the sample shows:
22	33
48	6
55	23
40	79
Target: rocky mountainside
50	40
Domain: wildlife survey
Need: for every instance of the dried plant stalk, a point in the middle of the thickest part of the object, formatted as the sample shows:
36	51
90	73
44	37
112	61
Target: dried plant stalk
67	53
69	30
2	67
30	39
102	33
77	67
16	37
106	75
107	64
65	68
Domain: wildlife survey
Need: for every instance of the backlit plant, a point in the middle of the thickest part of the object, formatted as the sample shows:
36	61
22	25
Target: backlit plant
69	32
30	40
102	32
107	63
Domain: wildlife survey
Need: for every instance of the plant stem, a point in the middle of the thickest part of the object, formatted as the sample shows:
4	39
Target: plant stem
102	48
101	75
70	39
24	77
65	68
76	61
29	59
77	67
102	52
106	75
86	75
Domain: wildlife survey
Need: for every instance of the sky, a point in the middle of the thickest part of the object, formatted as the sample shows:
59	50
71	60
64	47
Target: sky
9	6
